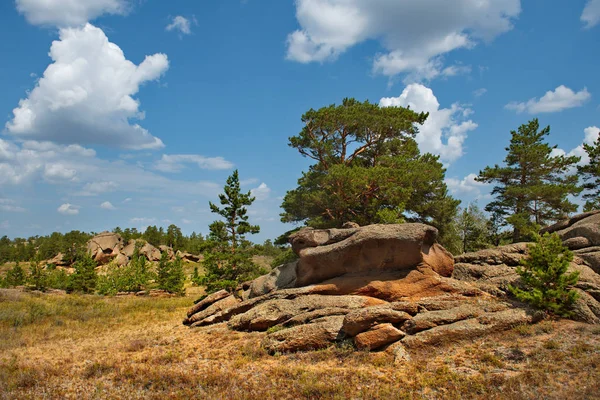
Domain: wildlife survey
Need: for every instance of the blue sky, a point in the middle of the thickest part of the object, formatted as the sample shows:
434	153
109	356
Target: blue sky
133	113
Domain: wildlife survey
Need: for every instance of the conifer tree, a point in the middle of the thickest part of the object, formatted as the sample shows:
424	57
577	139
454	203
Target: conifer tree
533	186
367	169
591	175
228	260
84	278
472	228
545	278
15	276
170	275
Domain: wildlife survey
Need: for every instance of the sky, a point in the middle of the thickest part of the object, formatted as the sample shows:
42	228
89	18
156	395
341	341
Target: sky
134	112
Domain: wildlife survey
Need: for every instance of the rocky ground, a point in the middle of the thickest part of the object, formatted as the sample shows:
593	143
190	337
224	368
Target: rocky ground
80	347
393	288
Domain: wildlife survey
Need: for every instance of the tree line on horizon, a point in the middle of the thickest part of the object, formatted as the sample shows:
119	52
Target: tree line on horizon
367	168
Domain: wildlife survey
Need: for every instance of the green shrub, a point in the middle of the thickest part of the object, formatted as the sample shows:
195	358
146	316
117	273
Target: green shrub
133	277
57	279
544	276
85	278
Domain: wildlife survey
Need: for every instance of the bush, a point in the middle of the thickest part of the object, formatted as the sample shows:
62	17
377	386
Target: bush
544	276
133	277
57	279
85	278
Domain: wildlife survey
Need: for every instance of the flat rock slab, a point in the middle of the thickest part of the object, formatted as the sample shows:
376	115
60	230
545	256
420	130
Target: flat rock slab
377	337
318	334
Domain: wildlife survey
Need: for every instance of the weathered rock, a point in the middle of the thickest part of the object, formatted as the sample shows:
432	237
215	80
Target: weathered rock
58	260
121	259
274	312
318	334
166	249
129	249
282	277
207	301
509	255
378	336
399	352
214	313
473	327
431	319
329	253
364	319
150	252
591	255
188	256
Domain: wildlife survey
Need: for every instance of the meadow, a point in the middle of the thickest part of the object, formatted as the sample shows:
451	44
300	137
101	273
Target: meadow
88	346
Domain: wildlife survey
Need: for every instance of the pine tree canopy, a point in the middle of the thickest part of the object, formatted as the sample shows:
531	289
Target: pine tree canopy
533	186
591	175
368	169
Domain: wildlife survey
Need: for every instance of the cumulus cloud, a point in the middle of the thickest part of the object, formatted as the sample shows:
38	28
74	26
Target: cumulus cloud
68	209
180	24
416	34
444	131
176	162
560	99
107	205
591	134
142	220
86	95
261	192
96	188
68	12
9	205
591	13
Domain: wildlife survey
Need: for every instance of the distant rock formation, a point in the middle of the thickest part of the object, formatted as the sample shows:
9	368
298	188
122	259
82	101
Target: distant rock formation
382	286
107	246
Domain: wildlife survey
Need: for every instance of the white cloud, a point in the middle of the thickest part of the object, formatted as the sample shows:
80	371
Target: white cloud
591	134
26	164
416	34
591	13
107	205
175	162
85	95
9	205
560	99
127	200
96	188
467	185
142	220
68	12
180	24
186	221
479	92
261	192
68	209
444	131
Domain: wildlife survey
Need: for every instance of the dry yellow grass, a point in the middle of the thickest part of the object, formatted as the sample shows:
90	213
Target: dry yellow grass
67	346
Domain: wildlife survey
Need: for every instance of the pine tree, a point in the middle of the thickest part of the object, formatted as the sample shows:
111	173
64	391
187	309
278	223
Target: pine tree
591	175
170	275
533	186
228	260
367	169
472	229
37	275
84	278
545	278
15	276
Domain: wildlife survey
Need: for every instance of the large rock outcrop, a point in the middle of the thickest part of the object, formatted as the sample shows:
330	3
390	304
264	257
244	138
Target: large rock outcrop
376	285
493	270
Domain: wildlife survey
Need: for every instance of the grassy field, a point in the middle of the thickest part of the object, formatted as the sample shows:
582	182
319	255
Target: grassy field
71	346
